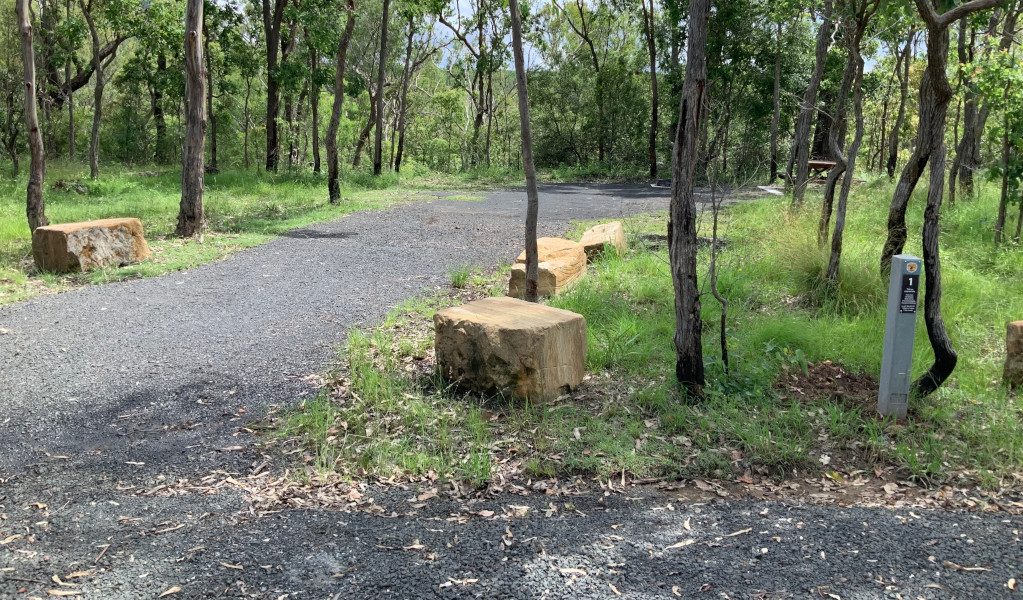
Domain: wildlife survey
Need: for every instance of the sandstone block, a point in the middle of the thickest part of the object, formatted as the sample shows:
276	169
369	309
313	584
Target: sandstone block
91	244
561	263
508	346
596	238
1013	373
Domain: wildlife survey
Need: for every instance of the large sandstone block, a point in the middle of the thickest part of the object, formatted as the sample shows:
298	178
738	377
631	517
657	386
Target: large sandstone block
508	346
83	246
1013	373
561	263
598	237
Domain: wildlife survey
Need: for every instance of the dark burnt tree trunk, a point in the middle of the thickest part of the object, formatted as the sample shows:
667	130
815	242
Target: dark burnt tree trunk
682	229
935	94
378	142
340	62
406	78
893	140
272	18
191	218
776	117
97	115
651	44
532	196
35	209
808	107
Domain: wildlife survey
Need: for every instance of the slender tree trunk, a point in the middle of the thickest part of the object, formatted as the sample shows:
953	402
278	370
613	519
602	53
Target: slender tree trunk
836	141
776	117
682	229
161	154
314	106
378	147
1004	198
70	98
403	101
191	217
35	208
964	148
272	31
849	161
651	44
893	140
532	196
245	120
97	115
809	105
211	116
364	134
340	61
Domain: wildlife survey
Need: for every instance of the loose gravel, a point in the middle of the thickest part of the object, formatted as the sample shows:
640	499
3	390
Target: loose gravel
113	390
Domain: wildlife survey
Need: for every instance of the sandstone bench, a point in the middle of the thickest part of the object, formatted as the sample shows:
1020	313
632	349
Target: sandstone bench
598	237
511	347
1013	372
561	262
70	247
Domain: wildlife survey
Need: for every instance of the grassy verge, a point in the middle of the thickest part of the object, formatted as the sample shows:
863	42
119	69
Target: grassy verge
798	397
243	208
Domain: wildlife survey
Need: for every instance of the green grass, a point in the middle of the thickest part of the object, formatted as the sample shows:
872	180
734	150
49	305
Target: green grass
630	417
243	209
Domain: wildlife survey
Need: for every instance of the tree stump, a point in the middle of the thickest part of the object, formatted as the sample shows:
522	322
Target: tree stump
511	347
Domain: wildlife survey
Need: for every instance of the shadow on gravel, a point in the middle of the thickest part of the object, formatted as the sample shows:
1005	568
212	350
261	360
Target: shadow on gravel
314	234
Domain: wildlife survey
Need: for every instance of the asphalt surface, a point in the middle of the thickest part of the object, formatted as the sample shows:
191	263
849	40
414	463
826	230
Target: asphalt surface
110	393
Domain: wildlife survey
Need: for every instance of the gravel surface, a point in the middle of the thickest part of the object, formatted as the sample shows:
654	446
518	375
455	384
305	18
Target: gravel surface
109	392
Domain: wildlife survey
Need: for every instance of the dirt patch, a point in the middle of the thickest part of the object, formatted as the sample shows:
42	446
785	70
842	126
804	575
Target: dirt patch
828	380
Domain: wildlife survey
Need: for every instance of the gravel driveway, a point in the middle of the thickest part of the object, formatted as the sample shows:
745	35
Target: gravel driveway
108	392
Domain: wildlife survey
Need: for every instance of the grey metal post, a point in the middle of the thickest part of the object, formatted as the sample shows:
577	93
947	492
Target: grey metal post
899	329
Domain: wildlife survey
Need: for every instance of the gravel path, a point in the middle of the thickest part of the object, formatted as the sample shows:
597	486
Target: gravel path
109	392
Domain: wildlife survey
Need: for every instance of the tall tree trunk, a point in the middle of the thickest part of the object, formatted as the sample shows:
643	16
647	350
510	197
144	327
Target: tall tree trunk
272	31
893	140
808	107
364	134
97	115
314	106
836	138
776	117
245	120
340	61
651	44
964	147
532	195
35	208
935	95
864	11
406	78
70	94
211	116
161	154
191	217
378	146
1003	199
682	229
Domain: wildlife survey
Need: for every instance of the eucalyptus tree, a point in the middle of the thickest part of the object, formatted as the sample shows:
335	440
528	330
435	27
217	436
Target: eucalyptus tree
340	63
35	208
191	215
808	106
682	229
532	196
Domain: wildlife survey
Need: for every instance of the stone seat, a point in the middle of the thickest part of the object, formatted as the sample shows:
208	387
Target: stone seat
507	346
561	263
597	238
1012	373
71	247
